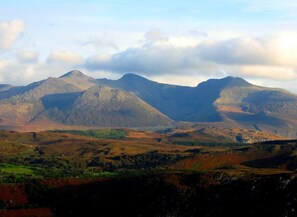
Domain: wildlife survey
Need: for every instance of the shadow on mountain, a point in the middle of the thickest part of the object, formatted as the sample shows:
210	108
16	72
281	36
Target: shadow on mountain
59	101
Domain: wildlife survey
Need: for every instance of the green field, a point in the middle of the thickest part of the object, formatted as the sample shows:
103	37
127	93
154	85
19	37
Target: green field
99	134
15	169
12	173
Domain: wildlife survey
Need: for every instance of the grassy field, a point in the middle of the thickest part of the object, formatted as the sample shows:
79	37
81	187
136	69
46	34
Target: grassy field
103	134
15	169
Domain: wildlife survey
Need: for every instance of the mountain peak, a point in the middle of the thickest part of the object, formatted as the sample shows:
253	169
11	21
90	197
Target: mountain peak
73	73
225	82
133	77
78	79
234	79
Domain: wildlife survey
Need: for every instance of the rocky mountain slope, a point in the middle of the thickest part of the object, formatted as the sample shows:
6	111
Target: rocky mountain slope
230	102
75	99
102	106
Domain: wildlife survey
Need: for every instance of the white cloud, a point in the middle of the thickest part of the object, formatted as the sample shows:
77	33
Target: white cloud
10	32
279	50
64	58
17	74
147	59
234	51
180	59
27	56
273	57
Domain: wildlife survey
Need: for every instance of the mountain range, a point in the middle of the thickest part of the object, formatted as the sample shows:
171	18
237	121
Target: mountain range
76	100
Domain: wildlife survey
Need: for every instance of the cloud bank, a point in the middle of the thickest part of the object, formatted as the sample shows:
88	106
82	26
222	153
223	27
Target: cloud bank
273	57
188	57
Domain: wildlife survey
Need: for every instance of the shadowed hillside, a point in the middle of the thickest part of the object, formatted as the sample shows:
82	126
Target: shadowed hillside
231	102
104	106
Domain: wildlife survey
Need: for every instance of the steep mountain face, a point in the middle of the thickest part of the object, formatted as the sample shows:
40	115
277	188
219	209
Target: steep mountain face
22	106
261	108
103	106
177	102
75	99
230	102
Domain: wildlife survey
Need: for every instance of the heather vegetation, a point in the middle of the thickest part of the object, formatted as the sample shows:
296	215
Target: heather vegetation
173	172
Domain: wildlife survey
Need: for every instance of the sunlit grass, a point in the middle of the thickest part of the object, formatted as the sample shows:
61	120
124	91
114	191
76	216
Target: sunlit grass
104	133
15	169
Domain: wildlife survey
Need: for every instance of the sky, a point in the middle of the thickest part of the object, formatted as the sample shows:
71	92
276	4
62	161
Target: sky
178	42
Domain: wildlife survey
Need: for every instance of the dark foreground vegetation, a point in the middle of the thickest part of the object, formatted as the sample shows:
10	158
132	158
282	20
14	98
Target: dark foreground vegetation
137	173
192	196
174	194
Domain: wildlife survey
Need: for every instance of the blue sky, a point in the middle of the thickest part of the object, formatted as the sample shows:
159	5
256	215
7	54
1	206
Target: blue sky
181	42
